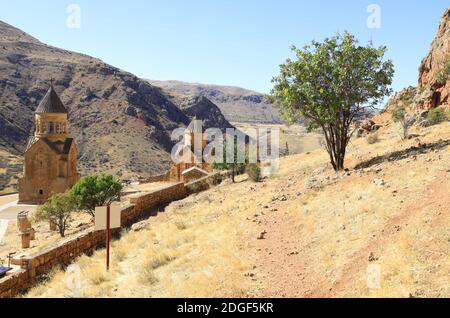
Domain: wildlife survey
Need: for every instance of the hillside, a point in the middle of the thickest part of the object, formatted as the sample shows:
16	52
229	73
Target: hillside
305	232
121	123
237	104
378	229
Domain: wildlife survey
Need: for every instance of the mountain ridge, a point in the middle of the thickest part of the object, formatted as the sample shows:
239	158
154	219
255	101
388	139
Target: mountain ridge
236	103
121	123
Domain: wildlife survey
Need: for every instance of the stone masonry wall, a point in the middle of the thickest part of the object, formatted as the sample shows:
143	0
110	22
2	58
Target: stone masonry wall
67	250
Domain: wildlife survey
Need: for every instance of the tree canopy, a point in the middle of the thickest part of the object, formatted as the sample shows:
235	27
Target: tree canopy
58	210
96	190
331	84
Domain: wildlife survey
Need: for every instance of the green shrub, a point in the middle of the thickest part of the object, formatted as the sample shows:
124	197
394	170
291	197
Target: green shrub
96	190
254	171
443	73
398	114
436	116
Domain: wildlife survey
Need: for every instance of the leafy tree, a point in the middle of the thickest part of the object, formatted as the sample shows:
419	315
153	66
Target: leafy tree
96	190
232	164
331	84
58	210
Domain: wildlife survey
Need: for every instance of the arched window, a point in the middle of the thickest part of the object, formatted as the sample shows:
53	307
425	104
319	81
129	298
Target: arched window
51	128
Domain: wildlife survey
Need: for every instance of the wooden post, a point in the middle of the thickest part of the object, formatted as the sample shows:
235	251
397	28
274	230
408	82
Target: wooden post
26	237
108	215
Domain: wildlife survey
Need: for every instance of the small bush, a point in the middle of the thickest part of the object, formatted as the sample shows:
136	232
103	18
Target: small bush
254	172
372	138
160	260
443	73
436	116
400	115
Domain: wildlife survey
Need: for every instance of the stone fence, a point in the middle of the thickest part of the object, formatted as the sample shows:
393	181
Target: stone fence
159	178
85	242
206	182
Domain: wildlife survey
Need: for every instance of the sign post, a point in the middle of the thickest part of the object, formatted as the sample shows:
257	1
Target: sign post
107	218
108	225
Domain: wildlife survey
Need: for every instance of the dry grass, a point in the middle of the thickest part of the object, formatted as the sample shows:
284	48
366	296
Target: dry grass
206	245
186	251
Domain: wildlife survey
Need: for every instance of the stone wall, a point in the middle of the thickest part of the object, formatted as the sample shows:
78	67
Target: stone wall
159	197
205	182
85	242
12	285
159	178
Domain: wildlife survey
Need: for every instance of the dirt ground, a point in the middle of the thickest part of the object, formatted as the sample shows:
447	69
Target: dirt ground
381	231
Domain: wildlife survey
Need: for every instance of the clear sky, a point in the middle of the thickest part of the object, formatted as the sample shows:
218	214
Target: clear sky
233	42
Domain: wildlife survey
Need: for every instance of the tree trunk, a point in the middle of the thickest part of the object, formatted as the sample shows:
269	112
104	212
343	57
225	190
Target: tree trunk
336	138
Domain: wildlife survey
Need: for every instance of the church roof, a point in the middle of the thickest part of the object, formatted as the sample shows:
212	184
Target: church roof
64	150
51	103
195	168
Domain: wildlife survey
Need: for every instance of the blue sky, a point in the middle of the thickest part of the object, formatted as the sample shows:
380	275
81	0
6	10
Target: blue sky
233	42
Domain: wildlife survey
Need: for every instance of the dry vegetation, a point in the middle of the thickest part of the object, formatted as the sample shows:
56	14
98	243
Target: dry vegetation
189	250
303	232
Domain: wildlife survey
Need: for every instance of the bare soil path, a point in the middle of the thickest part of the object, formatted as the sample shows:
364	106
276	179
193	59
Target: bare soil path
411	216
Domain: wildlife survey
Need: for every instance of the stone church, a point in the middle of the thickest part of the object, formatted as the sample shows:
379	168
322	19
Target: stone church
50	159
194	167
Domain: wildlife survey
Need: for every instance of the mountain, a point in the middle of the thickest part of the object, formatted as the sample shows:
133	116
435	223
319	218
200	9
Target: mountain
202	108
434	71
121	124
237	104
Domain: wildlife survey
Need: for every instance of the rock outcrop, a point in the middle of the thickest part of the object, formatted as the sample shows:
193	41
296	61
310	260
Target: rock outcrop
202	108
434	71
433	88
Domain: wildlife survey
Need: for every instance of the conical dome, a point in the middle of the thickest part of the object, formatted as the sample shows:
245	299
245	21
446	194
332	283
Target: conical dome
51	103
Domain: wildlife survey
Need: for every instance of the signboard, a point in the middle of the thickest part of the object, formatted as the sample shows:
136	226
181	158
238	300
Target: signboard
101	217
107	218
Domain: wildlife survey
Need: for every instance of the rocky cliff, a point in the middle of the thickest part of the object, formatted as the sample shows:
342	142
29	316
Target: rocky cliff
434	71
433	88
